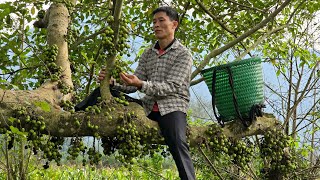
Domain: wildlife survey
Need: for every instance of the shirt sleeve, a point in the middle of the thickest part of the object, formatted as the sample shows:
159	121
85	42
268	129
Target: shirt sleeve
139	72
177	77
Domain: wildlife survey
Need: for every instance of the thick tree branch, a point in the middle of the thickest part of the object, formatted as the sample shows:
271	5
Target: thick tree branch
105	92
56	32
61	123
216	52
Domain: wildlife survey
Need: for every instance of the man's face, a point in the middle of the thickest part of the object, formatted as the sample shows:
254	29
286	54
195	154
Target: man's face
162	25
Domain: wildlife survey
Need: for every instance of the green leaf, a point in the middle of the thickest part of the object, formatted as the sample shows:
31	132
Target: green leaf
3	6
304	152
17	131
43	105
33	10
11	119
14	130
84	55
12	86
8	20
4	14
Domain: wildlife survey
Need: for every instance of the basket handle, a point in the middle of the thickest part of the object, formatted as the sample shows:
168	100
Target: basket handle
234	97
219	119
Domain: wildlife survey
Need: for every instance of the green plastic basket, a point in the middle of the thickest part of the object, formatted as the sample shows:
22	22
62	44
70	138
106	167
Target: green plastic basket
247	85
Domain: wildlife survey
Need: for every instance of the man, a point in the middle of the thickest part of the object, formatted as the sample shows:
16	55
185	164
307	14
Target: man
163	75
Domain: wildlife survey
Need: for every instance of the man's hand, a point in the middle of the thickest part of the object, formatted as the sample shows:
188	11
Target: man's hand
131	80
102	75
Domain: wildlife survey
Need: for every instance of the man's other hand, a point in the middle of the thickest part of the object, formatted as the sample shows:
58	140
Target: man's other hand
131	80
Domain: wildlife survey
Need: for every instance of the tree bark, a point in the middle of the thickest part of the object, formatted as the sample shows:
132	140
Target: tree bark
58	22
61	123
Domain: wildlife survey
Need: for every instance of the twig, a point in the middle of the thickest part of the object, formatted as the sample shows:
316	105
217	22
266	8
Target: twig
310	122
244	172
220	23
194	82
76	44
305	116
303	172
13	72
2	165
303	93
214	17
248	7
208	160
230	173
252	172
163	2
92	70
260	40
155	173
185	11
28	161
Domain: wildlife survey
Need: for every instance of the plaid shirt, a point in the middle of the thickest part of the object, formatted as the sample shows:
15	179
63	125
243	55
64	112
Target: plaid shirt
165	78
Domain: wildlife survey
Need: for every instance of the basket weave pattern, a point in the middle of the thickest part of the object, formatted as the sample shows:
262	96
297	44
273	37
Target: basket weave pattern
247	82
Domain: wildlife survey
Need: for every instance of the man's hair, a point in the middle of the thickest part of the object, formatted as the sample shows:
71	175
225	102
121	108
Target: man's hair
172	13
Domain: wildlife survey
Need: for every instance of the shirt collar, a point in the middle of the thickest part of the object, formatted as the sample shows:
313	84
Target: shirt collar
157	46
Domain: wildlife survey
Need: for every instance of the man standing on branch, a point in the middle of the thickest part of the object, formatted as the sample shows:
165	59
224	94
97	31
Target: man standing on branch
163	75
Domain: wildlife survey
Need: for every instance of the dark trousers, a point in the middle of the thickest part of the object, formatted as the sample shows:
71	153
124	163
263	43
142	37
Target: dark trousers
173	128
92	99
